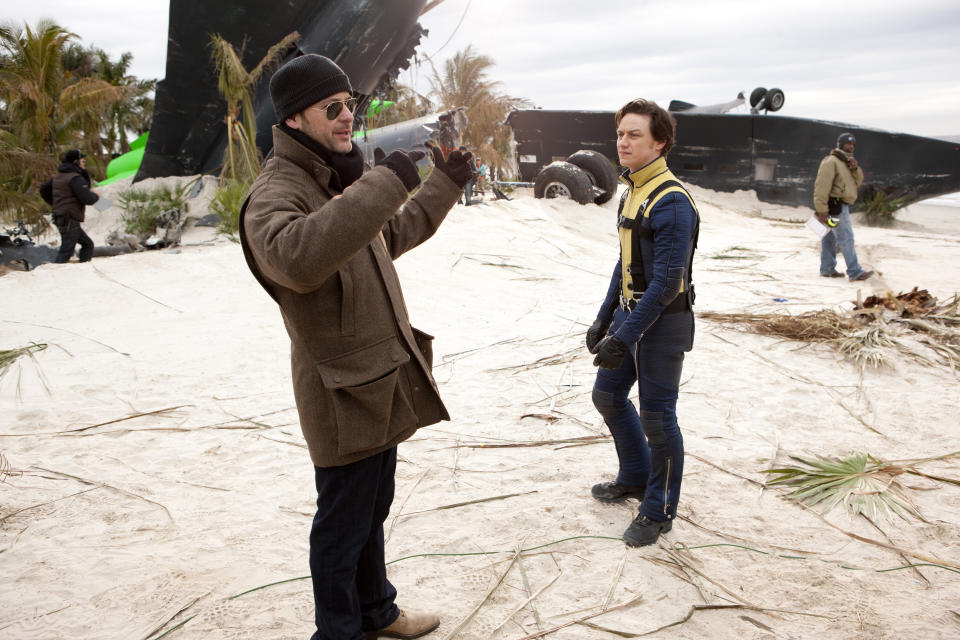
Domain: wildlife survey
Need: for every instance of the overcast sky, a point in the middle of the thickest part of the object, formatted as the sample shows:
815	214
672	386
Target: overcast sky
856	61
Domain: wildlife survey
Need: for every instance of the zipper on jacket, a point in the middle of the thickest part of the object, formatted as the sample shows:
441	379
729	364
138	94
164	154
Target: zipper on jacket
666	485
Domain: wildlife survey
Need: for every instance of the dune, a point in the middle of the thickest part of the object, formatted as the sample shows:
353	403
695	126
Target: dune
155	482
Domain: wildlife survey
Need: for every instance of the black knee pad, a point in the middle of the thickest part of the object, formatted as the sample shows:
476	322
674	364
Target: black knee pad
604	402
652	423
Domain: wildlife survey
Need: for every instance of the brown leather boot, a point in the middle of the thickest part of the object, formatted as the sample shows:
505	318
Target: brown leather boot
407	625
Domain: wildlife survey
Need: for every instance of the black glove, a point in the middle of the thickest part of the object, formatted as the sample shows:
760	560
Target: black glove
457	166
379	156
403	166
595	334
610	353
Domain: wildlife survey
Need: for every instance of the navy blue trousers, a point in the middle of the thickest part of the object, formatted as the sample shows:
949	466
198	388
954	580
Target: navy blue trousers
350	588
647	438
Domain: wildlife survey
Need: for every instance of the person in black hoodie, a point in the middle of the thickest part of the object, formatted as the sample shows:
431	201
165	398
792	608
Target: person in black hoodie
69	193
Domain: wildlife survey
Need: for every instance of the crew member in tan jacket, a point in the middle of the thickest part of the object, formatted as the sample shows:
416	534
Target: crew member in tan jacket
834	191
320	231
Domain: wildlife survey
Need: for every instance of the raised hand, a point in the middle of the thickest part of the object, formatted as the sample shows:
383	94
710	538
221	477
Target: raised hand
457	166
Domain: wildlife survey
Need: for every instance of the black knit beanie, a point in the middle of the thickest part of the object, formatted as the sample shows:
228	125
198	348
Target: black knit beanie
304	81
73	155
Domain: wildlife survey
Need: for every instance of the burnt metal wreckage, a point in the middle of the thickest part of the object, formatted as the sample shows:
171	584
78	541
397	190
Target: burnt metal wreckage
776	156
370	40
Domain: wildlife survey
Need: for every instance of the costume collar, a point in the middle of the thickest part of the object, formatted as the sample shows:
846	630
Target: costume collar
645	173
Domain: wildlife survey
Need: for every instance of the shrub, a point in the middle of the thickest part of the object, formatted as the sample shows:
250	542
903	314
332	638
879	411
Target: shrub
227	203
141	206
879	208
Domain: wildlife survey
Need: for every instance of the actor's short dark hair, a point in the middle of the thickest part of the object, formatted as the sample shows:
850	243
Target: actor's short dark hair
663	126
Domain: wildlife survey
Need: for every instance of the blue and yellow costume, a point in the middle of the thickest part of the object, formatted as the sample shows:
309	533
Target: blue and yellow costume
649	308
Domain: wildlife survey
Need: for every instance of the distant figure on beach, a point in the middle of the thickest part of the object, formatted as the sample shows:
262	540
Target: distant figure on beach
645	324
68	193
320	230
833	193
468	188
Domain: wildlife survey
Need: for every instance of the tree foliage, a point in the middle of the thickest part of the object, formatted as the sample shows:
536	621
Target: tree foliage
53	98
241	158
464	82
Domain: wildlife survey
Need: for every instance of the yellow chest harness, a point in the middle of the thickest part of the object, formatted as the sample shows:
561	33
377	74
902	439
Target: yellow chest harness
634	219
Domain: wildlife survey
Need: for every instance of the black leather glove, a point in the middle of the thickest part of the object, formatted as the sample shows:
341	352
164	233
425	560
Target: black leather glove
457	166
595	334
610	353
403	166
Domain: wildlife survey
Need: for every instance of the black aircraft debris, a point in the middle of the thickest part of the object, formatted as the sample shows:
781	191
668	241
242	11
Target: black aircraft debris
776	156
371	40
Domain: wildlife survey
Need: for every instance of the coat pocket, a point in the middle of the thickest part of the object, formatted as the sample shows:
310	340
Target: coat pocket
367	390
425	344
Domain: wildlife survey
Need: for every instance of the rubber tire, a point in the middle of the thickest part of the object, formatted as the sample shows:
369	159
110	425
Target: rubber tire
569	177
597	165
774	100
757	95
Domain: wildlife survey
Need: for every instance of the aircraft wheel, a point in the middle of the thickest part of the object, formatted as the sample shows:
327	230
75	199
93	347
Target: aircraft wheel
775	100
757	95
563	180
597	165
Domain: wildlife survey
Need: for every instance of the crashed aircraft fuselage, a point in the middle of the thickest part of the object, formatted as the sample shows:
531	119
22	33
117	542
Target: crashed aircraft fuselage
776	156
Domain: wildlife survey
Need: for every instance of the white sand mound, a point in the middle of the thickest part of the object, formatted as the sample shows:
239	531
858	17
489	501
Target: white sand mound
154	466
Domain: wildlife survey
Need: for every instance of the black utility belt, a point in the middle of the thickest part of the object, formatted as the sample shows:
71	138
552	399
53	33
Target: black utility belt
683	302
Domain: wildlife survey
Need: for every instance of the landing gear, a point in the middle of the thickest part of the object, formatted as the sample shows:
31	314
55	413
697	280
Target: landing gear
761	98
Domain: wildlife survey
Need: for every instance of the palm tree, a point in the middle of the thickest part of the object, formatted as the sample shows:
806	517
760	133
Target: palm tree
136	110
241	158
53	107
46	109
464	83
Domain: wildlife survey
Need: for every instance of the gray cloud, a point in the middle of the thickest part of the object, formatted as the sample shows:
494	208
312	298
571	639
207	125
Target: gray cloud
853	61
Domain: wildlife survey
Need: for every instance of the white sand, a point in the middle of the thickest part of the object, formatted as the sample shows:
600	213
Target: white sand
123	528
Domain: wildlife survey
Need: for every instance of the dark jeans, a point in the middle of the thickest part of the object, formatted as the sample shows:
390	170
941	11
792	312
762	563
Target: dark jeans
468	191
350	588
648	442
71	233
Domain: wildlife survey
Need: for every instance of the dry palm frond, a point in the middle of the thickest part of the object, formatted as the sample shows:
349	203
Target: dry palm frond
4	468
869	346
813	326
558	358
861	483
864	334
9	356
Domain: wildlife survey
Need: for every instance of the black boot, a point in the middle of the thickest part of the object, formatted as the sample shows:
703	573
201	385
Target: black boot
644	531
616	492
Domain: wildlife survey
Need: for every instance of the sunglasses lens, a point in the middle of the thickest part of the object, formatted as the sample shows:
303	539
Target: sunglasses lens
334	108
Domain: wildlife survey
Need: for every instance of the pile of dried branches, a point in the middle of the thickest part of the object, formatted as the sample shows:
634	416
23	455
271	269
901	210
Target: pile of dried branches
914	324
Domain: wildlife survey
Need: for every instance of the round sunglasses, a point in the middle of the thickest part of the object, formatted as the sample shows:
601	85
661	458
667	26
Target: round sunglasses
334	108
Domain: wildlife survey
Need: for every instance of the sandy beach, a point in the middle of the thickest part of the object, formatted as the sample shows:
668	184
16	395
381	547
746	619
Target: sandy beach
155	482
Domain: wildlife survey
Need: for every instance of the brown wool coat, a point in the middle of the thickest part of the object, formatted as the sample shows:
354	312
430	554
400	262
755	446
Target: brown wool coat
361	373
835	180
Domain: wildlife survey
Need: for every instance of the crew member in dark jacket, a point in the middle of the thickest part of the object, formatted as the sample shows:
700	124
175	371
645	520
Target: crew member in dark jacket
69	193
648	313
320	231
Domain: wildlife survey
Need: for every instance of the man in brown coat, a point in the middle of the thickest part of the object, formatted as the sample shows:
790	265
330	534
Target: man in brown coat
320	231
